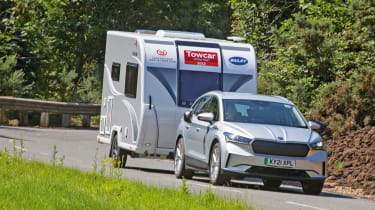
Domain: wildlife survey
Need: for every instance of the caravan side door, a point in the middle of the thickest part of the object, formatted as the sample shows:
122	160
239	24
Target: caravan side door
160	94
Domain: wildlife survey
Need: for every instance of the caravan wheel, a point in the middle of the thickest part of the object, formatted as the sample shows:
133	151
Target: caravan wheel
118	155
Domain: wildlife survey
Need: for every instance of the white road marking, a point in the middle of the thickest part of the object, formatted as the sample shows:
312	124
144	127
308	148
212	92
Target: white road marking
304	205
213	187
23	149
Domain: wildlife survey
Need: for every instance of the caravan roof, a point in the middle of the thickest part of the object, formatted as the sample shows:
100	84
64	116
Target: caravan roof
169	35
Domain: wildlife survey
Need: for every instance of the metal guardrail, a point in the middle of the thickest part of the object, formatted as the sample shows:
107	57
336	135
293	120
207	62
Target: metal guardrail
47	107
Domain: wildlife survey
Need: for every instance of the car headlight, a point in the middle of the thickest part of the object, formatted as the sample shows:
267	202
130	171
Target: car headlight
236	139
317	145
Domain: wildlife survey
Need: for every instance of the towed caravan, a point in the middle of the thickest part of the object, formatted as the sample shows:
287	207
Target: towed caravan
151	78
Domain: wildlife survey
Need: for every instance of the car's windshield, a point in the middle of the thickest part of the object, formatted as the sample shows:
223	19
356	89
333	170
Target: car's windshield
262	112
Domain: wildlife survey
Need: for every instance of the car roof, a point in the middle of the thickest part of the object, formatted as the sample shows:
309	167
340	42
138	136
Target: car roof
249	96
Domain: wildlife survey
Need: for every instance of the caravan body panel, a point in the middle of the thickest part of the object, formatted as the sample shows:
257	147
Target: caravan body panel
151	80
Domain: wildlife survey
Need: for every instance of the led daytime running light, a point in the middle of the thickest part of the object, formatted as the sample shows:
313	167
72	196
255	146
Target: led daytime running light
237	139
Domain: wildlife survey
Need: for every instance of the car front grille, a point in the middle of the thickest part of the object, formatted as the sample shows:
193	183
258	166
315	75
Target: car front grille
280	149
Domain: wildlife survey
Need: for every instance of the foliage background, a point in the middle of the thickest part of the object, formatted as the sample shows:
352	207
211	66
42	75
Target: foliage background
57	46
318	53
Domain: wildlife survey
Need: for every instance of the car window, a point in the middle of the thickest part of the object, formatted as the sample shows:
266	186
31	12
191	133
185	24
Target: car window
214	107
200	103
205	106
195	105
210	106
262	112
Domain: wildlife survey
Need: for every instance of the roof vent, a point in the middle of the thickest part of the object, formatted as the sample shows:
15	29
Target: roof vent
144	31
180	34
236	38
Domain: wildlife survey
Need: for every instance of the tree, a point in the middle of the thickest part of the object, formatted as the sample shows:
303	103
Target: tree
57	38
254	19
12	82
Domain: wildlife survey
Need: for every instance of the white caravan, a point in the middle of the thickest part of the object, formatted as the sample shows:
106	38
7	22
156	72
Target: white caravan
151	78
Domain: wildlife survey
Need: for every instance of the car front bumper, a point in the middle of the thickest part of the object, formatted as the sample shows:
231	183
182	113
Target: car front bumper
241	162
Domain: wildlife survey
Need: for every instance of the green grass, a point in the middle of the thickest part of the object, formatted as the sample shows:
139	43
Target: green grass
35	185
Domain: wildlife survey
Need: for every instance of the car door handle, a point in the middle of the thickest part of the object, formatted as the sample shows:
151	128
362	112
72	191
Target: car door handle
187	127
198	129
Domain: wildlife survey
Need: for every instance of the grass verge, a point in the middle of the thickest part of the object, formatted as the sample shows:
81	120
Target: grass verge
35	185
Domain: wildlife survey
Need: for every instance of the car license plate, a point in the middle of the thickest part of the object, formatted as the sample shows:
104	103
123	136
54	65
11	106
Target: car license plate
279	163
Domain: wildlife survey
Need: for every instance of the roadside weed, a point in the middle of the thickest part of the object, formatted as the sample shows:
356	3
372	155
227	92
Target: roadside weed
62	161
111	166
14	148
339	165
122	162
102	169
22	148
54	154
95	164
6	151
184	189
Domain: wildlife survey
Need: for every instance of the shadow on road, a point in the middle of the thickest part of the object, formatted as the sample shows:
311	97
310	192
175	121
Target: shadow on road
19	128
249	183
38	129
286	187
151	170
13	138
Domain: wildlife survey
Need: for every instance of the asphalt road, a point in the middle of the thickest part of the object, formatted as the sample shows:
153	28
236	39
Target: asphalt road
79	147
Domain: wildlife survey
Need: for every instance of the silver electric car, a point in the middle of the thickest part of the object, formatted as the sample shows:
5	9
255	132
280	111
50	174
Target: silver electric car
247	135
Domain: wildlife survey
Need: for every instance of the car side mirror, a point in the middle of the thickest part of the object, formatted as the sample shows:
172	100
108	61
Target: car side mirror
187	116
206	116
315	126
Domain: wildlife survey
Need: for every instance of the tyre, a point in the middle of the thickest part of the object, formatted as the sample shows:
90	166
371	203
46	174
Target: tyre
216	176
118	155
312	187
179	161
271	183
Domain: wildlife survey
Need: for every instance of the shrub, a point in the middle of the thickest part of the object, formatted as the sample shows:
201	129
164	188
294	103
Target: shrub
347	105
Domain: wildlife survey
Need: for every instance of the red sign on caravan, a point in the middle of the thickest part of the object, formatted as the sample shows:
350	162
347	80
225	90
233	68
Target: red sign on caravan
201	58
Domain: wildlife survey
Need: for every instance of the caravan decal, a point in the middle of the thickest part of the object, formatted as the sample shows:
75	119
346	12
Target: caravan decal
238	61
162	52
201	58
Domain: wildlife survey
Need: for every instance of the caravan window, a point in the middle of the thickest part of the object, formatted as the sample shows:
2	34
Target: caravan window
115	71
131	80
194	84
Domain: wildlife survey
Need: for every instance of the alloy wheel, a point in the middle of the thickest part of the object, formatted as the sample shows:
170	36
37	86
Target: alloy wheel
214	164
178	158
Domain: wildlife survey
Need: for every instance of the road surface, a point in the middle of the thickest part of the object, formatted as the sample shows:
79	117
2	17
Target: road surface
79	147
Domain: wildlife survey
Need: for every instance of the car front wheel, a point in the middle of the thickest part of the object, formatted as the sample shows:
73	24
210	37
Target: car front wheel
216	177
